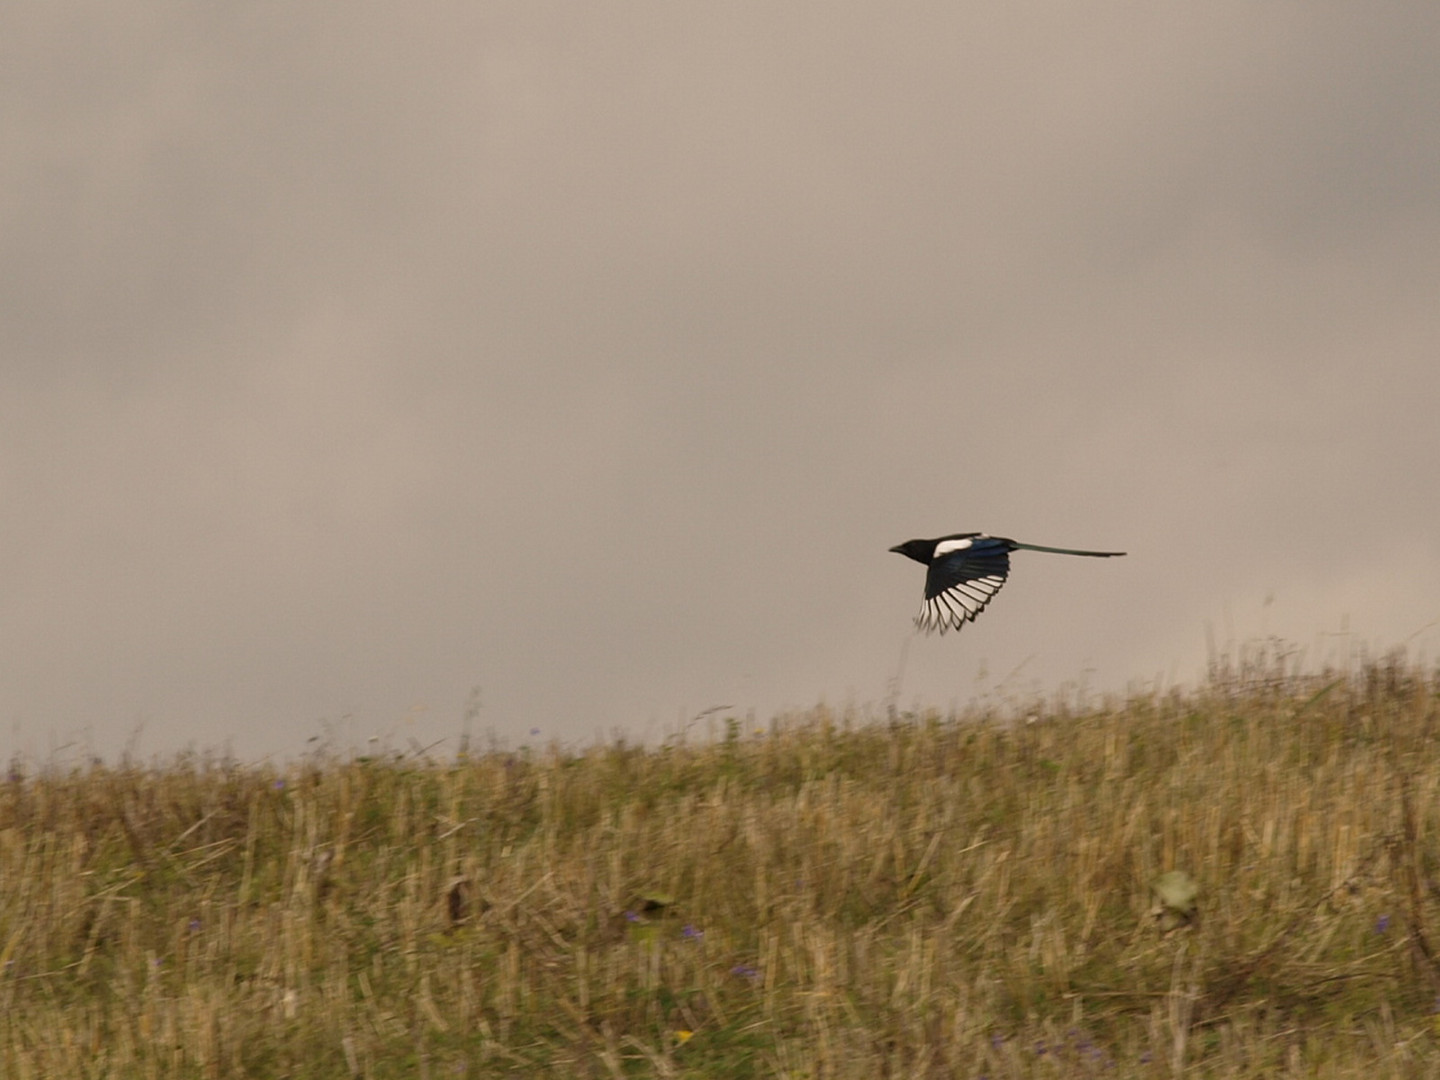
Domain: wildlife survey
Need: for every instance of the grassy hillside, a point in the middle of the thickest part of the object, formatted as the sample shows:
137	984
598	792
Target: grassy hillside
934	897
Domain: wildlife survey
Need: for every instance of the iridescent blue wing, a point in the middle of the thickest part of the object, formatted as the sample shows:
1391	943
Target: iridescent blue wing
965	574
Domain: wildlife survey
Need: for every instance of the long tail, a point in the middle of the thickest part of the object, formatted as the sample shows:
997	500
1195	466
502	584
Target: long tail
1067	551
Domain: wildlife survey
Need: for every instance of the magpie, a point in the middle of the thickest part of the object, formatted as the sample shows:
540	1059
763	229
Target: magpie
966	570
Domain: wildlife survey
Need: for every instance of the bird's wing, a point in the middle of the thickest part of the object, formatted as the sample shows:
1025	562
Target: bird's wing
964	576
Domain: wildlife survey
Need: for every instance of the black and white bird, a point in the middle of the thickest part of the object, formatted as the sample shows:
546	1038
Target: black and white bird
966	570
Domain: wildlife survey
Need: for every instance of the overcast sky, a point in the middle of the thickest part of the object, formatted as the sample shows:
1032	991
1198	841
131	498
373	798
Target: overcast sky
356	356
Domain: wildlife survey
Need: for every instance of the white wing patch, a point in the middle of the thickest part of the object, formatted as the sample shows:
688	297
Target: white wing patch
958	604
945	547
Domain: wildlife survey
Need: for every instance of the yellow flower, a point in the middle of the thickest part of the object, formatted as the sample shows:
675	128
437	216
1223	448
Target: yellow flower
682	1037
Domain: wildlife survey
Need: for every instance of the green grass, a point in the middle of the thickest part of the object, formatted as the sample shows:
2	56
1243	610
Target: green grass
933	897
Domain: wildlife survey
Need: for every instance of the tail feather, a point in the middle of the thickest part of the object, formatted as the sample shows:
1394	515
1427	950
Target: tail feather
1067	551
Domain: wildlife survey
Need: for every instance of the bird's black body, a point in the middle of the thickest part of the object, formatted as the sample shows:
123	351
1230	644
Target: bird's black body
966	570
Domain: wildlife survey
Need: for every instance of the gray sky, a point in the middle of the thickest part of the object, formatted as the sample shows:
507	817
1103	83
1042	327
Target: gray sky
593	354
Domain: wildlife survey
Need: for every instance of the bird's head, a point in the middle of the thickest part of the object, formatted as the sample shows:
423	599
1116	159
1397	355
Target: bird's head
919	550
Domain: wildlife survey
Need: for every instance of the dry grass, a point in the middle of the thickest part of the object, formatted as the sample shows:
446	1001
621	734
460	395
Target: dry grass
937	897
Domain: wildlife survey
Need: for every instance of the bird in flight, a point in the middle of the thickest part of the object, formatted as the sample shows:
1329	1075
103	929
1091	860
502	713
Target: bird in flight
965	572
